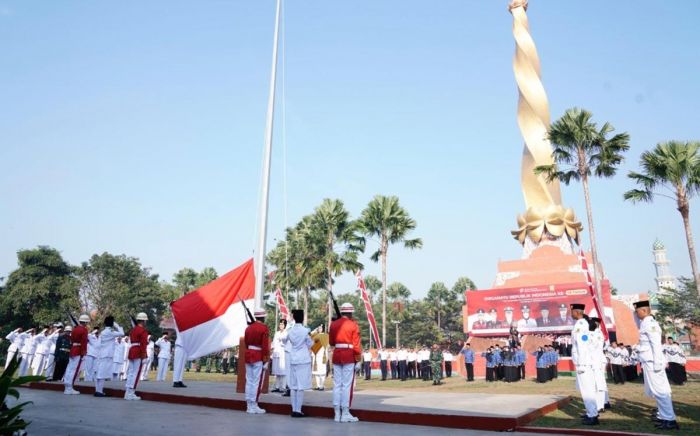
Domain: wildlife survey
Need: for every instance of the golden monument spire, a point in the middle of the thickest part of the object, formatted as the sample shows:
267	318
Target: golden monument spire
545	215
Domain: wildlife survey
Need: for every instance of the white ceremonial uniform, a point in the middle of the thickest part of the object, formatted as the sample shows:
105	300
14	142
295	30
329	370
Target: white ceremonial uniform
298	345
105	355
319	369
17	341
27	353
651	356
50	360
89	361
279	369
42	351
180	360
582	358
150	350
163	358
126	345
600	363
117	358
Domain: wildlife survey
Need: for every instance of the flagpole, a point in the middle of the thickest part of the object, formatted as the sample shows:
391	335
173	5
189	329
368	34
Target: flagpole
267	159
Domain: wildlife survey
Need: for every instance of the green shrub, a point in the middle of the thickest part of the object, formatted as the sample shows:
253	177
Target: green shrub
10	421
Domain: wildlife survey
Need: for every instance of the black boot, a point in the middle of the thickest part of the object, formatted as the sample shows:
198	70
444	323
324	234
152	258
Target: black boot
590	421
668	425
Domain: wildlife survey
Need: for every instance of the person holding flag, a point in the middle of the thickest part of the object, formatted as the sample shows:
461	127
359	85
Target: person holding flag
582	358
78	349
257	353
298	345
344	335
138	341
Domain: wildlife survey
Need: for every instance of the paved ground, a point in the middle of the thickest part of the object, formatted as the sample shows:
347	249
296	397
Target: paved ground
55	414
465	404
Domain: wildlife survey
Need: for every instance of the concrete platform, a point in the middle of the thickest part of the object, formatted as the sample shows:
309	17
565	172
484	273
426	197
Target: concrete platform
452	410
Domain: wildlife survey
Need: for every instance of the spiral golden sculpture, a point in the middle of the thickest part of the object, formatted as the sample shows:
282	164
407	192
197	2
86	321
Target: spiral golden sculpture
542	198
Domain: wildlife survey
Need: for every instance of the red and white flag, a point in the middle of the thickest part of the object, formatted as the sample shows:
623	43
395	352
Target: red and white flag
281	305
598	305
368	309
212	317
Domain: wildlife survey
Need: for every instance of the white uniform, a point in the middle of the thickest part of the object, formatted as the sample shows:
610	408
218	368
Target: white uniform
582	358
117	358
89	364
600	364
319	367
180	360
27	353
651	356
105	355
17	341
163	358
42	351
150	350
298	345
279	369
50	361
126	345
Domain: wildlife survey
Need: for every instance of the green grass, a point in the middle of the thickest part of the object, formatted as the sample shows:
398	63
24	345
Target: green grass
630	411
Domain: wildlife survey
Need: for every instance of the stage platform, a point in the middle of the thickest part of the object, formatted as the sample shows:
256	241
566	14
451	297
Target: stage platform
452	410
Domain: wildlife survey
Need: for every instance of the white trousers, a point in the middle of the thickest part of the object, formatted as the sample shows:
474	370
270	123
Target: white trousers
38	364
320	380
162	368
601	387
24	364
89	367
132	372
146	367
179	363
281	382
252	380
71	371
104	368
297	398
50	364
342	383
586	385
10	355
116	369
656	386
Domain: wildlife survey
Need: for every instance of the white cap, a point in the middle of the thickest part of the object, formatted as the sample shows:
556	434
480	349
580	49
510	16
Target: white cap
260	313
347	308
68	328
141	316
84	318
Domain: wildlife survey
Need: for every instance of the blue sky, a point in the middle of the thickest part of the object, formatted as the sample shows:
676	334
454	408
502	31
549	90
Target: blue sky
137	127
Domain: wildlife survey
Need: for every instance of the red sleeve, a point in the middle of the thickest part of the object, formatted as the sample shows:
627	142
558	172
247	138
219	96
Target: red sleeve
83	341
357	348
265	345
144	343
332	332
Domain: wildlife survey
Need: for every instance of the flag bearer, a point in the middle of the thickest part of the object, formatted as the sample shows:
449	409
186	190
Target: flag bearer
582	358
298	345
257	353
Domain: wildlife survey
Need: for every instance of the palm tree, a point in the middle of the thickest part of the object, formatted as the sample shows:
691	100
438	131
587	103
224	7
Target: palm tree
385	218
438	296
580	152
675	167
337	238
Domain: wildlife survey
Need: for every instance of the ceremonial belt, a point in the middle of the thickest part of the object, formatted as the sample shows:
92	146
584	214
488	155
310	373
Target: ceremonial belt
77	344
64	349
343	345
254	347
135	345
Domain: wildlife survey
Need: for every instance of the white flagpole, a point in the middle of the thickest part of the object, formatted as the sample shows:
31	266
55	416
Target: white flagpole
267	159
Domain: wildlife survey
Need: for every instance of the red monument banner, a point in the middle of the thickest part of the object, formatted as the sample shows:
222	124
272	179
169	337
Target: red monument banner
531	309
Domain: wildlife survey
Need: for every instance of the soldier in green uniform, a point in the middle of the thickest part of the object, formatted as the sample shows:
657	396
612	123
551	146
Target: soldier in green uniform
436	364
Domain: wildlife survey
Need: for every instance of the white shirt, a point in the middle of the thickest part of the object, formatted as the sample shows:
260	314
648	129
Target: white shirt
17	339
392	355
299	344
93	345
278	343
581	340
401	355
447	356
367	356
526	323
118	356
28	344
165	347
107	341
44	344
412	356
650	349
150	348
383	355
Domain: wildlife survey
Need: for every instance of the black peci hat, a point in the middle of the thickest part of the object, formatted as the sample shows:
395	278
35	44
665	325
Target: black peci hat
643	303
578	306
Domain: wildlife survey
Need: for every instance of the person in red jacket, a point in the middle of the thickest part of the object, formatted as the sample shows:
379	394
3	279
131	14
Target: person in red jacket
78	349
344	335
138	341
257	353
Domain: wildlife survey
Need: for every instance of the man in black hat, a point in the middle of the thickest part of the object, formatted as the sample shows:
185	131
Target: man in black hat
650	355
583	360
563	318
480	322
526	321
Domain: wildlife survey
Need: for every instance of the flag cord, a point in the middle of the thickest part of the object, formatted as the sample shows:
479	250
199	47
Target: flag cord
284	151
